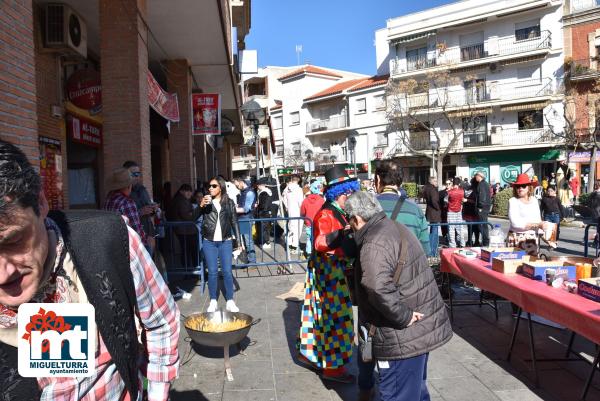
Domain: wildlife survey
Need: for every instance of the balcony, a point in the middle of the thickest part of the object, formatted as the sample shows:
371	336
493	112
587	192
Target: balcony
493	48
329	124
420	140
482	93
583	5
583	70
508	137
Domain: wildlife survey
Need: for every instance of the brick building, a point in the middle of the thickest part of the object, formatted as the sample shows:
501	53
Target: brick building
77	78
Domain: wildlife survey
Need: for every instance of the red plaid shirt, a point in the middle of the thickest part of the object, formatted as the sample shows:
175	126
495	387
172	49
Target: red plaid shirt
116	201
159	318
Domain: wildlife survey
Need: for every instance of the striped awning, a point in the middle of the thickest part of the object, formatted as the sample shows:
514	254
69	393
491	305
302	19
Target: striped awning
524	106
470	112
412	38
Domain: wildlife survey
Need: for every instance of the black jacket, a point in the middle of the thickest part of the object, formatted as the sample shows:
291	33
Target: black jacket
389	306
433	213
483	200
265	203
227	219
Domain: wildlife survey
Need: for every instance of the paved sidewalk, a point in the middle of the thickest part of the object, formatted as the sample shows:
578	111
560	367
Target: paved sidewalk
470	367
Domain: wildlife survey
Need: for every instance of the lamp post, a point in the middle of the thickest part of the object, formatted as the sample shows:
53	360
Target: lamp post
308	166
352	147
434	148
332	159
254	116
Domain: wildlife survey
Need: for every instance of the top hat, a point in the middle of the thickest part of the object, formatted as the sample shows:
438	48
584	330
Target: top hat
522	179
337	175
119	179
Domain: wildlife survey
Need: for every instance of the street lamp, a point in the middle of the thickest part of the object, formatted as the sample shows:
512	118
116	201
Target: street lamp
254	115
352	147
332	159
308	166
434	148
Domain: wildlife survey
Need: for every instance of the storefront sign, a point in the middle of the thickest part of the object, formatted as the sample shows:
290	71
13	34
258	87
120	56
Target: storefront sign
162	102
84	131
580	157
51	171
479	168
509	173
206	111
84	90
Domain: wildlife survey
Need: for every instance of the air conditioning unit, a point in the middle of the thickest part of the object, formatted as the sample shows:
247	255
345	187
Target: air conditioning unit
495	67
64	29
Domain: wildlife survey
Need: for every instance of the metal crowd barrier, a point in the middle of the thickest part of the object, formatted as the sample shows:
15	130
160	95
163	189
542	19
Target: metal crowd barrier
182	252
278	234
434	236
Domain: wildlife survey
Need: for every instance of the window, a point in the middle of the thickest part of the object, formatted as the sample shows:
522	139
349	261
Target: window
296	148
279	151
471	46
277	122
416	59
295	118
243	151
381	139
475	124
361	105
531	119
380	102
475	90
527	30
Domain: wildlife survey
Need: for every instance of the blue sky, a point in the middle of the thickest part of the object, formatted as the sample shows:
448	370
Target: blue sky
333	33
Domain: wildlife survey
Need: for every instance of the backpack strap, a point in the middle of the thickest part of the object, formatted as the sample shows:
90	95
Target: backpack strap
397	208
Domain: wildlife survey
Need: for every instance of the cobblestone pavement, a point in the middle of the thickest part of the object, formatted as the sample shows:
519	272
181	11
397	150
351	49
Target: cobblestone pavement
470	367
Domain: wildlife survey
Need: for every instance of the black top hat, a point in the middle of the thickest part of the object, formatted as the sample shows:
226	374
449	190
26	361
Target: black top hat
337	175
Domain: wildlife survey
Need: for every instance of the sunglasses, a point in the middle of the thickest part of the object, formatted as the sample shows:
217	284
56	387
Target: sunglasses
214	185
136	174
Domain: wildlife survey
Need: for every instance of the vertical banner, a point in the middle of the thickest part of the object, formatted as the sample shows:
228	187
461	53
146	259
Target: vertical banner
51	171
206	113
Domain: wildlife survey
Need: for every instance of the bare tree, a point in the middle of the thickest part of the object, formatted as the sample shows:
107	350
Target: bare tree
431	116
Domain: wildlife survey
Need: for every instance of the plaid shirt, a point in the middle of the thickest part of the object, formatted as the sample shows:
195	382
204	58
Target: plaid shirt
159	318
116	201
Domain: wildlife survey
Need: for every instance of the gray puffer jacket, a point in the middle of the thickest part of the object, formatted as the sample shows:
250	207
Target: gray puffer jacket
389	306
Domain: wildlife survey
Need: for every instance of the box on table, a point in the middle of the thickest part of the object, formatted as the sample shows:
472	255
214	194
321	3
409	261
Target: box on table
589	288
488	254
536	270
508	266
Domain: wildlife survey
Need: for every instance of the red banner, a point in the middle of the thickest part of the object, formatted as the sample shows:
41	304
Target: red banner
84	131
206	111
51	171
162	102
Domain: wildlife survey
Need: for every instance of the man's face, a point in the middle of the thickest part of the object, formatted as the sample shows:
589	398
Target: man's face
23	252
239	185
356	223
478	178
136	175
187	194
433	182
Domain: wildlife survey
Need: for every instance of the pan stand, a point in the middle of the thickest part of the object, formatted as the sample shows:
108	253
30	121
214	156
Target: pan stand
227	363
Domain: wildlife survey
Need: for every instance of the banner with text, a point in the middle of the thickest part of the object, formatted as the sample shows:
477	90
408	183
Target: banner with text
162	102
84	131
206	111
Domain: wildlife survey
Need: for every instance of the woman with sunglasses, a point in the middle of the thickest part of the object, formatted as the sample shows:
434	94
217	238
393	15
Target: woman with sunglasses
327	332
524	216
219	227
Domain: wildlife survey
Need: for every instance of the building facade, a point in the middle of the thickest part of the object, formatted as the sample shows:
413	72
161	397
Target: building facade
494	70
89	85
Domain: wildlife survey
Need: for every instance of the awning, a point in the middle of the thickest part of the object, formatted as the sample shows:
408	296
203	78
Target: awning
412	38
470	112
512	156
525	106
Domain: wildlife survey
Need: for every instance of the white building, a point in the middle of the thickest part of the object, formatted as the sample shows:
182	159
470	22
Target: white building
507	58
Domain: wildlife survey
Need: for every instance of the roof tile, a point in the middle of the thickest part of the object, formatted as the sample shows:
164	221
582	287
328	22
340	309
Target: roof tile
371	82
335	89
309	69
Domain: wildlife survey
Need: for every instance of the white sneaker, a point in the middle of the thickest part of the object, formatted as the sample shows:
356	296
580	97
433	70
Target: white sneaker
212	306
231	306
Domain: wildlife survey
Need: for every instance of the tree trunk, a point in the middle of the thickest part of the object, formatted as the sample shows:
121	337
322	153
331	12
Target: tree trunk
439	164
592	175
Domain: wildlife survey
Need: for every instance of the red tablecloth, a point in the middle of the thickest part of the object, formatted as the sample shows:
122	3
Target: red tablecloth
570	310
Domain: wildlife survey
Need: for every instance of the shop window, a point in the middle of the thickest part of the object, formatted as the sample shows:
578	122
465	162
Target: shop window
527	30
361	105
295	118
531	119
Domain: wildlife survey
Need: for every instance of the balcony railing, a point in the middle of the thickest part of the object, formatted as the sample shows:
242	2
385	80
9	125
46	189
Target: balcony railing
328	124
508	137
492	47
583	5
482	93
583	69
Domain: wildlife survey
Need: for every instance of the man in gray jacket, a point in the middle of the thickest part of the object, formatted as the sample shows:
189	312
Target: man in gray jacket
397	294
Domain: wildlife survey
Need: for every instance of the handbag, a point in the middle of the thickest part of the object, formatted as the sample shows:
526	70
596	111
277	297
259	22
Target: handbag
365	336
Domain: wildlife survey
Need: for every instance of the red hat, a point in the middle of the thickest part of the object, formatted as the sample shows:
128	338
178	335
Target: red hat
522	179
